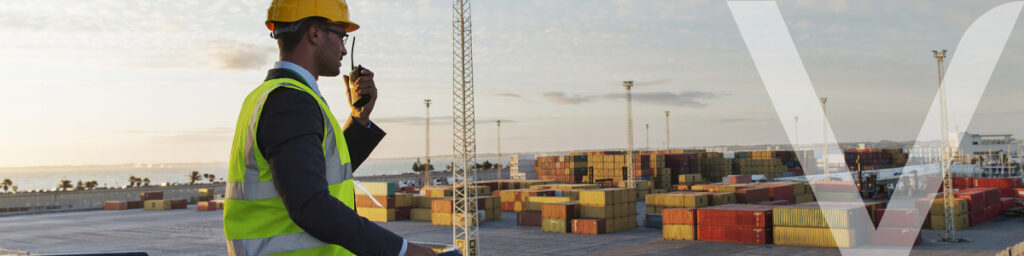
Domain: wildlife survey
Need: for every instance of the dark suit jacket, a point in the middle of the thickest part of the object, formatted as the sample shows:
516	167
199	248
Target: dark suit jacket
289	135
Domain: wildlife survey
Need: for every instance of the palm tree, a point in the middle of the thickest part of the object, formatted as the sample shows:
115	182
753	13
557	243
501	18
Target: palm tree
193	177
7	184
146	181
65	185
212	177
15	188
91	184
80	186
131	181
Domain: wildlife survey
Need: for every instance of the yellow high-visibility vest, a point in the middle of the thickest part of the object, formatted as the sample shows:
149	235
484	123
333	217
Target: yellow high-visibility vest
255	219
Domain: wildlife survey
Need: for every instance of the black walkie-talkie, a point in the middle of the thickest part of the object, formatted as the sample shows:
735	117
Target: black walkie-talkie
354	75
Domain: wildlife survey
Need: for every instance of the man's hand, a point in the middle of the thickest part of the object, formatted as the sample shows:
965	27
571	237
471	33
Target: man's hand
418	250
363	85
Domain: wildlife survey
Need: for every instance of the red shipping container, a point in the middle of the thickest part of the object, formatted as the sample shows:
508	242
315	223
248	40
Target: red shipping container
781	192
115	205
975	199
678	216
992	196
977	217
403	213
739	179
179	203
588	226
735	234
752	195
1007	202
993	212
1007	192
963	182
152	195
206	206
138	204
997	182
896	237
736	215
777	202
528	219
412	189
902	218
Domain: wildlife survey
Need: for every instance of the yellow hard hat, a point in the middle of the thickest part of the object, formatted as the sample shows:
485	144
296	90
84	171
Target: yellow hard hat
289	11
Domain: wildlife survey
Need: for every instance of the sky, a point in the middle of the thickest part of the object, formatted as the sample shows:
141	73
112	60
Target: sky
111	82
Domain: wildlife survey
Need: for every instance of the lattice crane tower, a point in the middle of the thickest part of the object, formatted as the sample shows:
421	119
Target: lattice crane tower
465	222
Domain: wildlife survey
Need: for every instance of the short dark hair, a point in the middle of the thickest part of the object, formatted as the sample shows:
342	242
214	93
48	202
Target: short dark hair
291	40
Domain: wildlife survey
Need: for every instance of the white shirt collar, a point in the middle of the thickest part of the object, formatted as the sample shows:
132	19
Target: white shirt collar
310	81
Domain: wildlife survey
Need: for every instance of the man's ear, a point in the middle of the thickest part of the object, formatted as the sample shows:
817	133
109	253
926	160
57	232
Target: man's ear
313	34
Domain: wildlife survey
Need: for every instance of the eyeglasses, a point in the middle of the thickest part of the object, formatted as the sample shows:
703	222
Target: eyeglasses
341	34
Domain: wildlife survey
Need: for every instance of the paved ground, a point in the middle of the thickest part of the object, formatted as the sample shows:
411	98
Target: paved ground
188	232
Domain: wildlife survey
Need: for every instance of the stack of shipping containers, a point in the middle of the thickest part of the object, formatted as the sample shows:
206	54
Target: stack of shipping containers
384	195
558	217
616	206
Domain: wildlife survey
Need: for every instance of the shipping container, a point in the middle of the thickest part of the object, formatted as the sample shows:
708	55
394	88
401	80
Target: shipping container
565	210
377	188
420	214
152	195
441	205
736	215
377	214
138	204
206	206
752	195
403	213
179	203
903	218
938	222
556	225
734	234
896	237
588	226
115	205
817	215
528	219
679	216
679	232
441	218
157	205
819	237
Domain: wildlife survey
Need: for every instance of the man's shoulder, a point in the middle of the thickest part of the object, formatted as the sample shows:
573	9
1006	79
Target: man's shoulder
291	98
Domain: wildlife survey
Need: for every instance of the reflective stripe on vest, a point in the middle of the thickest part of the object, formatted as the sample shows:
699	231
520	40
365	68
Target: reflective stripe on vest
256	221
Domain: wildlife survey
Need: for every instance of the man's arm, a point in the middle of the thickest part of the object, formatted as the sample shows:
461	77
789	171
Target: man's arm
361	140
290	133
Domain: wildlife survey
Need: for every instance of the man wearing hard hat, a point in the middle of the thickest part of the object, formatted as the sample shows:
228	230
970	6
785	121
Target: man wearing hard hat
290	187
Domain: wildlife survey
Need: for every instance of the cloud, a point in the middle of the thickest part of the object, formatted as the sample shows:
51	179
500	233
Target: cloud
660	81
508	94
237	56
694	99
561	98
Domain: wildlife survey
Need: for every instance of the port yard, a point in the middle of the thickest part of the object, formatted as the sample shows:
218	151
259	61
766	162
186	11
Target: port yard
188	232
584	204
